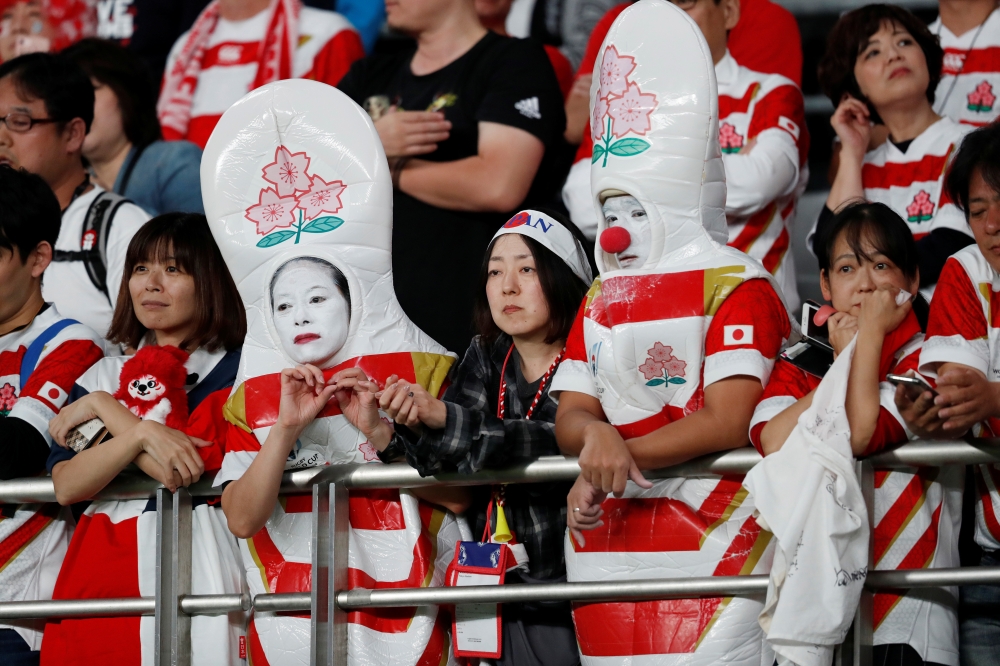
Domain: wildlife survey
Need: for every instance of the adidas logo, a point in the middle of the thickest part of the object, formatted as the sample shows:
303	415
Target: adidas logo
529	108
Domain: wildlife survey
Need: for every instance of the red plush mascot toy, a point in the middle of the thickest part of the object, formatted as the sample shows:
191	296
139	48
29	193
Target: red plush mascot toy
152	386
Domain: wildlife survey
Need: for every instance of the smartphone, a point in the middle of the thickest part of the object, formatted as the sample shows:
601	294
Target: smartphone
819	335
915	385
86	434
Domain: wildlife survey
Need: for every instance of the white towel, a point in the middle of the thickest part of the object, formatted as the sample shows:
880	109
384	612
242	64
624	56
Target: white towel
808	495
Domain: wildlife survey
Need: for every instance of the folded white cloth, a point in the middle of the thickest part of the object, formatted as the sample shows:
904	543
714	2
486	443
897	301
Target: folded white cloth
808	495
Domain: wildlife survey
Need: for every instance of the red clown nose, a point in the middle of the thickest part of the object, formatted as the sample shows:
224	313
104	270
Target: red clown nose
615	240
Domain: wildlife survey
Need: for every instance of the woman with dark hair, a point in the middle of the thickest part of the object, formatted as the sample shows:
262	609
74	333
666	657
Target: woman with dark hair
882	65
124	147
180	307
869	273
497	412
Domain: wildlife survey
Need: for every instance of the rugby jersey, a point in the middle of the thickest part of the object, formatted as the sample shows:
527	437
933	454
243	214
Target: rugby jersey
962	328
764	184
113	550
918	511
34	537
970	74
328	45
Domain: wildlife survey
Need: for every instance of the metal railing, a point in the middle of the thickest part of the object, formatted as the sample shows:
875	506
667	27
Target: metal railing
328	602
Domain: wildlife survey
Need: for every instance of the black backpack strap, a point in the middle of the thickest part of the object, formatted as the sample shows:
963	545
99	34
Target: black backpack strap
97	225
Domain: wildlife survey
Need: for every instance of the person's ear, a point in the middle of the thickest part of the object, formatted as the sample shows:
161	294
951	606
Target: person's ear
915	283
74	133
40	258
731	8
824	285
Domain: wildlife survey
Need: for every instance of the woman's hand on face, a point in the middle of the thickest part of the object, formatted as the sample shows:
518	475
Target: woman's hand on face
71	416
304	393
965	397
605	461
842	327
583	509
852	124
356	395
880	313
173	451
920	414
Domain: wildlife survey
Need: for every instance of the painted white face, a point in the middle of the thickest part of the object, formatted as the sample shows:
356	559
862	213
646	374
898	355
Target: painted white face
146	388
310	314
626	212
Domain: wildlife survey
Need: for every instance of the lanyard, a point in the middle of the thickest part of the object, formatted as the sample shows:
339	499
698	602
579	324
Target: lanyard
502	398
80	189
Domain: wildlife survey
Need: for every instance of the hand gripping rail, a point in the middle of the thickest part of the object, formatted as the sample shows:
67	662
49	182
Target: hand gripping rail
329	600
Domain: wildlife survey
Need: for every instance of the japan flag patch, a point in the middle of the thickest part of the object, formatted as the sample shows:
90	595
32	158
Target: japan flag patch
738	335
53	395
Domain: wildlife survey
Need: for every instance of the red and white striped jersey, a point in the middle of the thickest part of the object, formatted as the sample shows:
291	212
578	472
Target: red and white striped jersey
680	528
918	512
328	45
396	540
765	144
963	329
34	537
113	554
912	183
970	74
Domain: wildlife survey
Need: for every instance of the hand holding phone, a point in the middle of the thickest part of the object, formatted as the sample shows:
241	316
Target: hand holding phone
915	386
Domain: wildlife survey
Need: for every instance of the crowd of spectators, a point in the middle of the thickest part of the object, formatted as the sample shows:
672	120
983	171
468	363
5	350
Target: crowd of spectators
106	258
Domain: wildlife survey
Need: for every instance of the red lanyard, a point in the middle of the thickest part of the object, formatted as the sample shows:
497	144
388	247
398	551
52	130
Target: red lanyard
502	398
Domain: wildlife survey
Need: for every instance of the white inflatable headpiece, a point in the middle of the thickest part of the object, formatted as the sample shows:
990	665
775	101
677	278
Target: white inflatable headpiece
293	170
654	118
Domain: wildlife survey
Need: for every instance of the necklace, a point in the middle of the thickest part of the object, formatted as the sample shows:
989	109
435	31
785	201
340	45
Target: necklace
961	67
502	398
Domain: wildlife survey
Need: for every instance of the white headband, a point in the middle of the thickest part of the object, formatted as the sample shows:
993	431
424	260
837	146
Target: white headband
554	236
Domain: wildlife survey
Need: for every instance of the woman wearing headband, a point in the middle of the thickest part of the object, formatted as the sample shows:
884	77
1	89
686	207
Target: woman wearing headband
497	412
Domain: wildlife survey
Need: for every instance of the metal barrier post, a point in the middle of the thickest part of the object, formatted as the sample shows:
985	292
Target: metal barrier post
172	643
330	543
864	630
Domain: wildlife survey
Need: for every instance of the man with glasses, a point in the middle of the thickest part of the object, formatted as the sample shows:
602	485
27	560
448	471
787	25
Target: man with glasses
46	107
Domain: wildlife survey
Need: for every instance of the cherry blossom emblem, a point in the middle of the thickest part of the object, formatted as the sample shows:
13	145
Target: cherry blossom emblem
621	108
729	139
662	367
8	398
297	202
981	99
921	208
369	451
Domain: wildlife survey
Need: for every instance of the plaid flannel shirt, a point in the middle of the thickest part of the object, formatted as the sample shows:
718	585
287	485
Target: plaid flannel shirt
474	438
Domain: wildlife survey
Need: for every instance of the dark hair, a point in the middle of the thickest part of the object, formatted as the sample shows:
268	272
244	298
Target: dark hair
850	36
339	281
129	78
873	222
185	237
562	288
57	81
29	212
980	150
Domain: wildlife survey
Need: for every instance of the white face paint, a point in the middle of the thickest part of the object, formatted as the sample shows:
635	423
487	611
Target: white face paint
310	314
628	213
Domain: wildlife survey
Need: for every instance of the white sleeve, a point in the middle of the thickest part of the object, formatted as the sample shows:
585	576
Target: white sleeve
126	221
755	179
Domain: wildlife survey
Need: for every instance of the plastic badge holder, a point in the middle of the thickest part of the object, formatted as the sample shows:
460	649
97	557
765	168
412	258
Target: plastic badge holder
476	628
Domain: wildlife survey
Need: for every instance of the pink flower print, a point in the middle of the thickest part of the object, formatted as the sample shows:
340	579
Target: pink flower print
288	172
631	111
921	208
651	368
614	70
8	398
368	451
322	197
982	98
729	140
272	211
675	367
661	353
597	116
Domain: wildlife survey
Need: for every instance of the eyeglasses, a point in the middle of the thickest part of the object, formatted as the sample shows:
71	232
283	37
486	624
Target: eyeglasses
22	122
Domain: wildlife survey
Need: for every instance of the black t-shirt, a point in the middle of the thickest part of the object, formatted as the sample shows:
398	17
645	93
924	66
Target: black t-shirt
438	253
